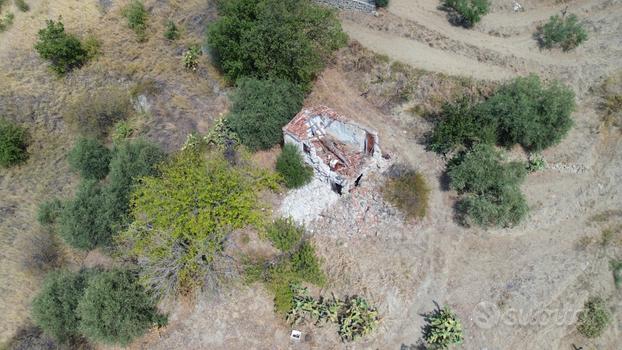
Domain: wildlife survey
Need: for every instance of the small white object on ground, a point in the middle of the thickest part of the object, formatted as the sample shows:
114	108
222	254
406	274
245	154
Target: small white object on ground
296	335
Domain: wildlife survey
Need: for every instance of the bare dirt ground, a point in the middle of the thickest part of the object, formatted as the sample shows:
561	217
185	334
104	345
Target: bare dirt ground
516	288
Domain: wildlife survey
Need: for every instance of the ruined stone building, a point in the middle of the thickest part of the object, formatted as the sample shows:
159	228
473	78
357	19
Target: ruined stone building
339	150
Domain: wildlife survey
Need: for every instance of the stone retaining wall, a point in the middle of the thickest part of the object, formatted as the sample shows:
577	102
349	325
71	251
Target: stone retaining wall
357	5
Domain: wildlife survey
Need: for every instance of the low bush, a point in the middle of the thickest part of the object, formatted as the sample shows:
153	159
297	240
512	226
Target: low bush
407	190
354	315
115	309
611	103
22	5
84	222
13	143
442	329
564	32
301	266
191	58
92	46
90	159
291	166
136	16
536	163
171	32
31	337
6	21
616	269
40	254
284	234
470	11
594	318
48	212
530	113
382	3
53	309
461	126
94	112
260	108
64	51
274	39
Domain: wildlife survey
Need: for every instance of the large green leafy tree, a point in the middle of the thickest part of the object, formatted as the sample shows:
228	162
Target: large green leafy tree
182	217
53	309
287	39
530	113
64	51
493	197
261	108
116	309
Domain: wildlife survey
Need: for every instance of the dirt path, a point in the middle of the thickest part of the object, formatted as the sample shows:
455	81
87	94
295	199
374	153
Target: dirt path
422	55
500	46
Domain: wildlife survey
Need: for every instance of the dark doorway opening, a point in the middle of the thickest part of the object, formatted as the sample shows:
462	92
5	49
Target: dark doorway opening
358	181
337	188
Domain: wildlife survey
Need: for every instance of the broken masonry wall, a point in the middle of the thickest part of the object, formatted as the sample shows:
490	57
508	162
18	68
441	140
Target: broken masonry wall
321	170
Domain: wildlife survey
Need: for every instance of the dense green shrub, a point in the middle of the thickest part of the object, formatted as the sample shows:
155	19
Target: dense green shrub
64	51
494	197
115	309
290	269
54	307
470	11
535	115
131	160
22	5
49	212
187	212
407	190
268	39
504	208
482	171
292	167
564	32
13	143
594	318
260	108
84	222
171	33
382	3
92	113
521	111
284	234
136	16
90	159
443	329
306	264
461	126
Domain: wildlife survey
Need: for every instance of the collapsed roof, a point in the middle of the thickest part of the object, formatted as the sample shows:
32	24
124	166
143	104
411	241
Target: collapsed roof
337	148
